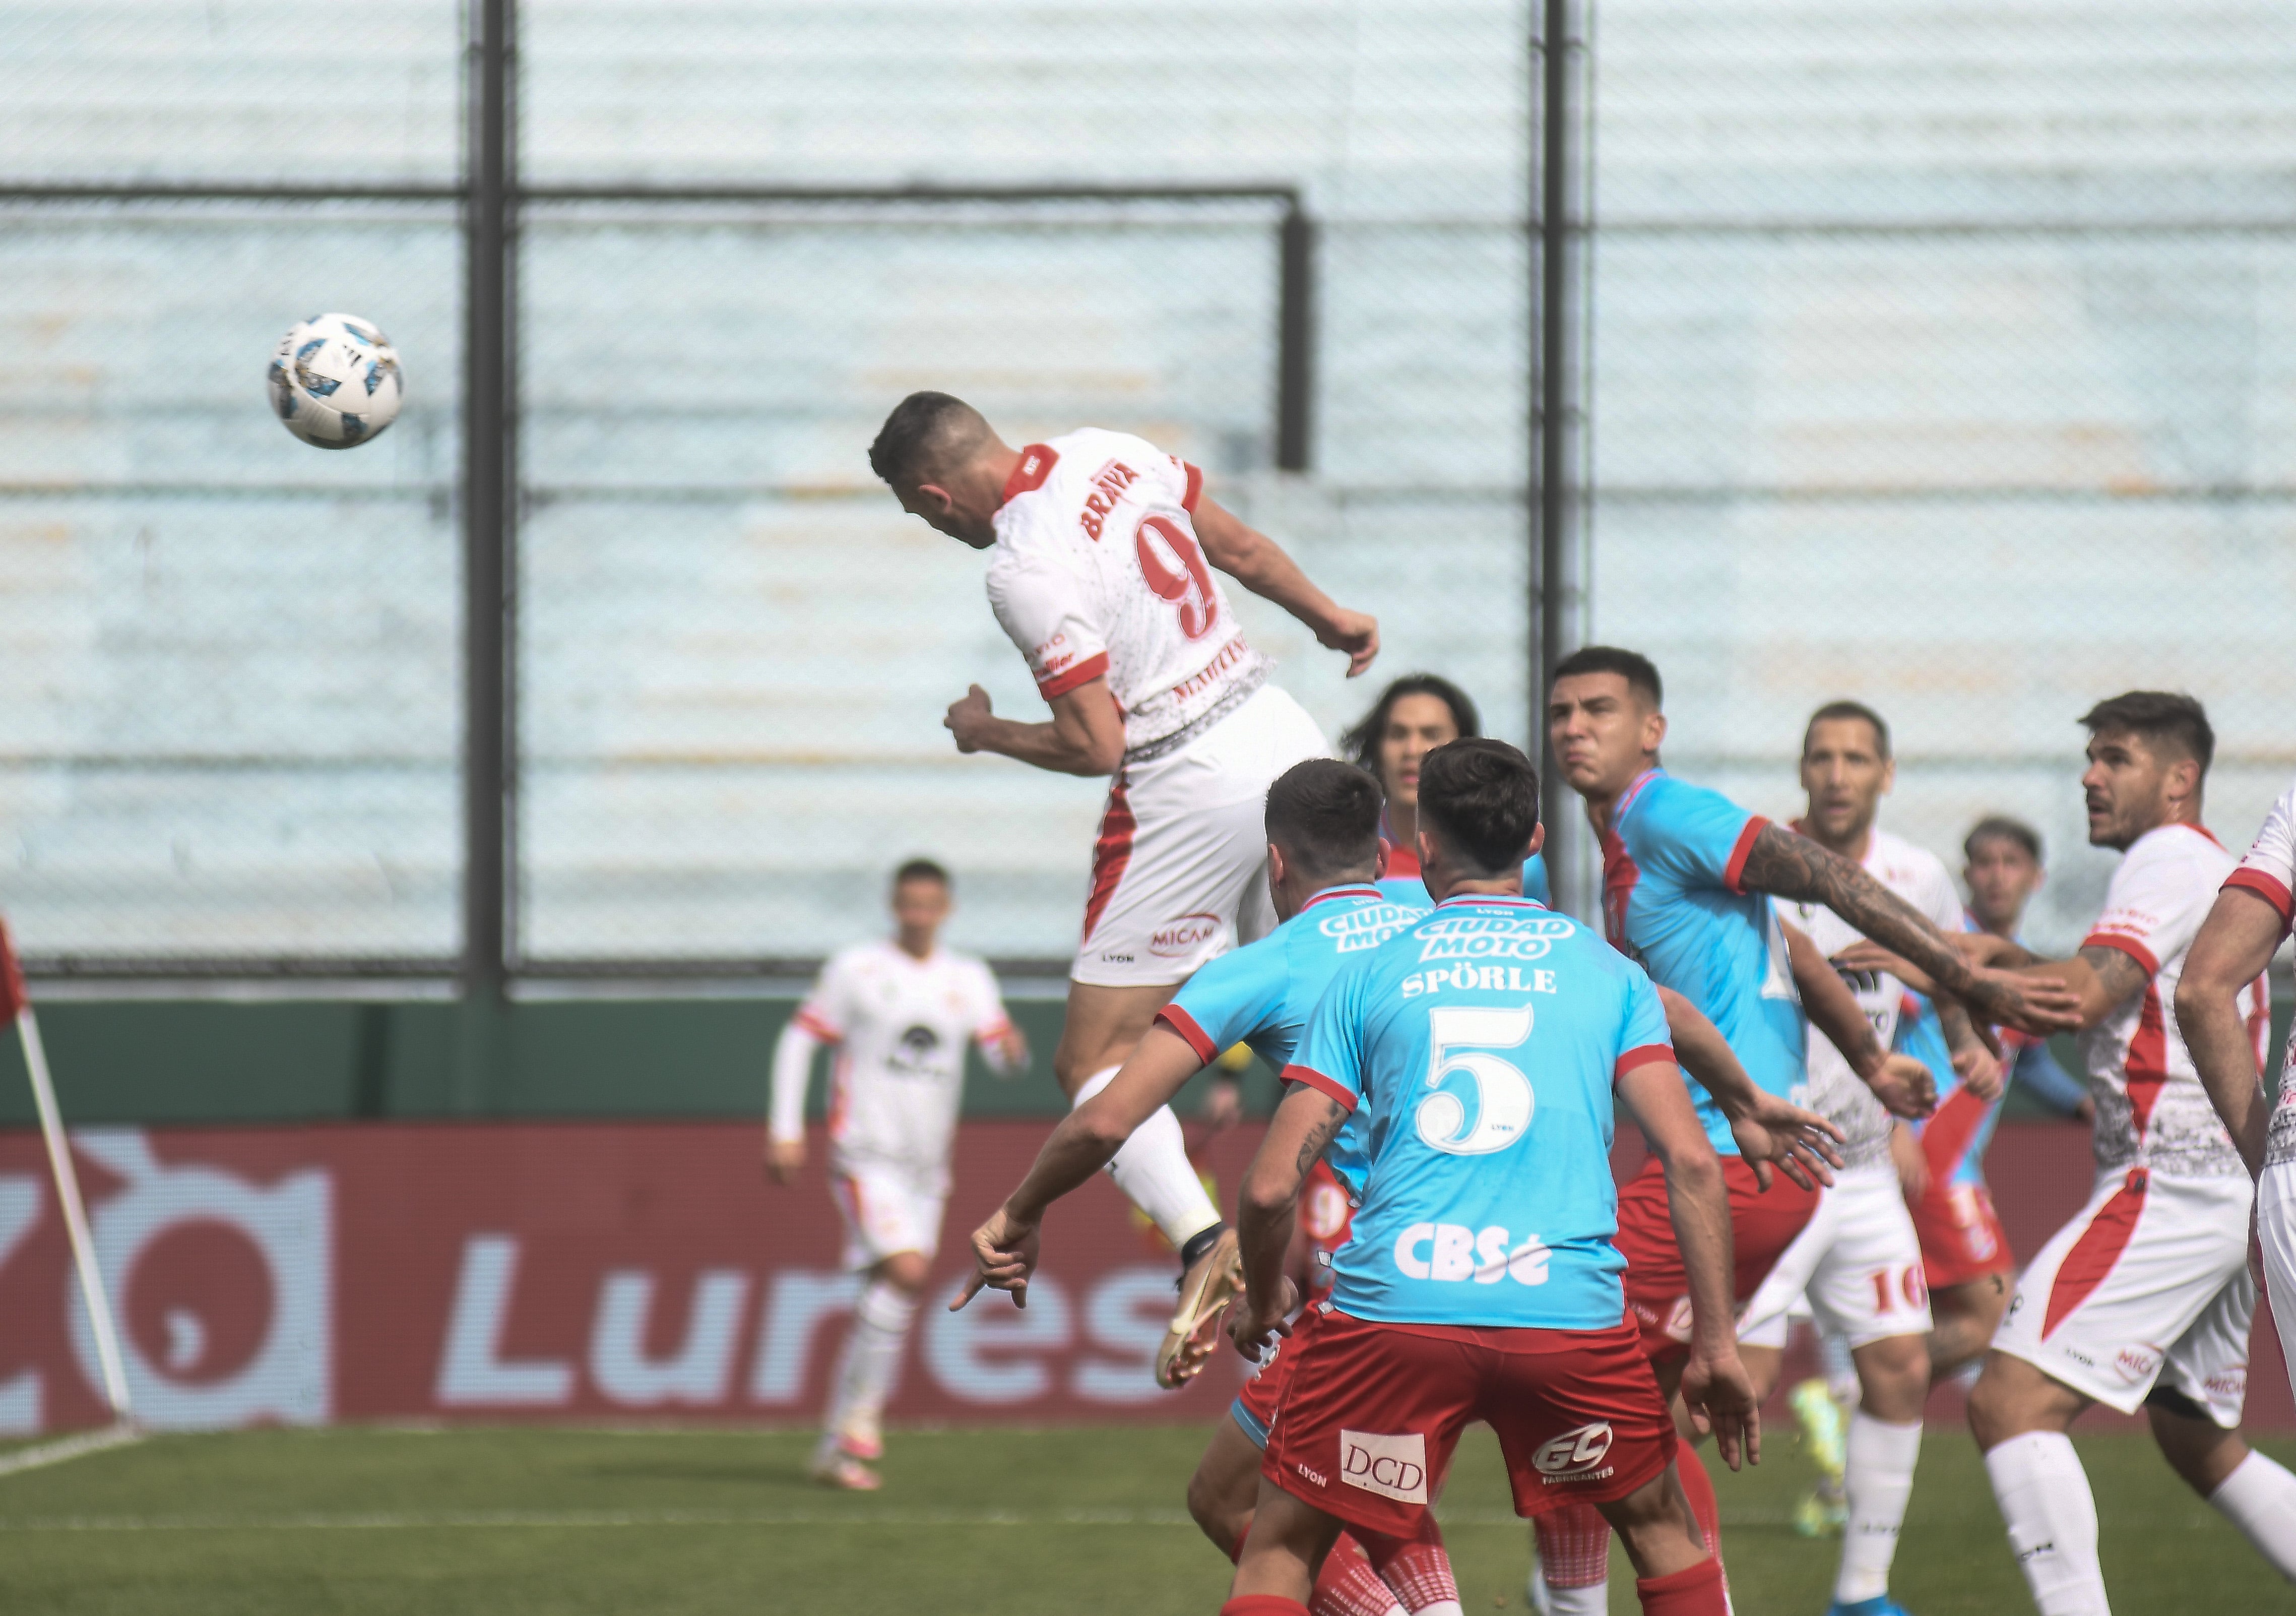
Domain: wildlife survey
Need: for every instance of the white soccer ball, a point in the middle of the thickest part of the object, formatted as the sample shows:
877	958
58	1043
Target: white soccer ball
335	381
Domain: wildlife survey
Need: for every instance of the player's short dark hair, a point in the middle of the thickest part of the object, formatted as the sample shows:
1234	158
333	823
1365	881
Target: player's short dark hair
1482	797
2158	715
1362	742
2001	827
921	869
1835	711
922	434
1325	814
1639	672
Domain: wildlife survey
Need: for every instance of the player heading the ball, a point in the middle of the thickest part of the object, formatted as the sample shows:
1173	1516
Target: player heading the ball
1104	567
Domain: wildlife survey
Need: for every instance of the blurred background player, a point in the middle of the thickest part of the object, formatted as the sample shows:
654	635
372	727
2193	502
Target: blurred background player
1859	1260
1103	577
1413	716
2143	1299
1322	857
1685	873
901	1011
2219	998
2002	868
1448	1307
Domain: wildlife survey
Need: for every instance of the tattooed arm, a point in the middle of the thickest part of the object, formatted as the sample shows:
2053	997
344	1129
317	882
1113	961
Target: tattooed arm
1792	866
1302	1126
2102	978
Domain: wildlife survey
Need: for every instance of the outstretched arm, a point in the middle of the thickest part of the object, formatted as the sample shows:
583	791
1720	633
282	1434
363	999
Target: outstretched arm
1302	1126
1086	735
1260	565
2235	945
1004	1247
1768	1131
1792	867
1900	1082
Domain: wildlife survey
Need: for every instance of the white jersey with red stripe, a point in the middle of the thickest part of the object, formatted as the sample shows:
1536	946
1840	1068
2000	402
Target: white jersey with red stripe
1097	571
1836	1091
2269	871
901	1025
2152	1110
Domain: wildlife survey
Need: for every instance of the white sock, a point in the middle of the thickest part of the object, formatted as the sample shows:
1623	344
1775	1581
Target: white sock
1152	1171
1877	1479
1592	1600
2043	1495
2259	1497
872	1356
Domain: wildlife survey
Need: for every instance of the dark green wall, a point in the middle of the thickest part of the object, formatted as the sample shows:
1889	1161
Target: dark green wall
169	1061
172	1061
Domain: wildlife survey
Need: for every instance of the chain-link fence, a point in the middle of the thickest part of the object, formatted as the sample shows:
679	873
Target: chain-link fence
1943	360
1933	359
231	723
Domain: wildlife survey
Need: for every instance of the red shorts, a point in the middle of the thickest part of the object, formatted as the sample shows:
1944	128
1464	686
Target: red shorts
1763	1223
1962	1237
1374	1411
1255	1405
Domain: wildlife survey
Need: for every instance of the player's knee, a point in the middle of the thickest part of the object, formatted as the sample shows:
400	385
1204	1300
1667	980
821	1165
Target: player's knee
1893	1377
2003	1403
905	1271
1213	1505
2201	1451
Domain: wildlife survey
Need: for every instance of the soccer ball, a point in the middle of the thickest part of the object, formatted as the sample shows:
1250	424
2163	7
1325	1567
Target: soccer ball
335	381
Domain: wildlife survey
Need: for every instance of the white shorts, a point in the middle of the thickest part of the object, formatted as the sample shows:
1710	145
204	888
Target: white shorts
2148	1283
2276	1231
1178	875
887	1210
1858	1260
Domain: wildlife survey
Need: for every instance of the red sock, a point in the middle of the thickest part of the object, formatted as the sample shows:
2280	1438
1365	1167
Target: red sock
1574	1546
1417	1568
1694	1592
1347	1585
1698	1487
1263	1605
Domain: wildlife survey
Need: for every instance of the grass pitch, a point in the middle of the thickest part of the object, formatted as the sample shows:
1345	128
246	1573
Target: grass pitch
1015	1522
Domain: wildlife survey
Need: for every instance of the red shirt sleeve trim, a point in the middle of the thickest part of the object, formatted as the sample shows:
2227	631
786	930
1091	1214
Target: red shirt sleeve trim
1336	1092
1035	464
2265	887
1072	679
1736	867
1180	1021
1195	490
2129	945
1641	1055
810	1023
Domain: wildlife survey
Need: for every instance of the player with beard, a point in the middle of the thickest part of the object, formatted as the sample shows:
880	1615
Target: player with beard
1687	878
1859	1260
900	1013
1101	573
2144	1300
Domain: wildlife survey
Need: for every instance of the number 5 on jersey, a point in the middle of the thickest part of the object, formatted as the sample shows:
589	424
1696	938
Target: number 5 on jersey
1460	1036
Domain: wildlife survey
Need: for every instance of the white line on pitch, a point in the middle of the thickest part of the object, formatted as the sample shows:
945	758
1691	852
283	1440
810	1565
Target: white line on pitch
65	1449
580	1519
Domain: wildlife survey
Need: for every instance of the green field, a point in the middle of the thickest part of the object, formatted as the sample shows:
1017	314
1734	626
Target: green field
1010	1522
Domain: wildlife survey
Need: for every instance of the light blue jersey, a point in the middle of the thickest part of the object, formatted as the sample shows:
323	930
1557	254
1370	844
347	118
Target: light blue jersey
1480	1045
1261	995
1671	899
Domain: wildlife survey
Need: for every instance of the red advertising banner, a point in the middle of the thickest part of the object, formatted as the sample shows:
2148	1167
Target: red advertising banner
588	1271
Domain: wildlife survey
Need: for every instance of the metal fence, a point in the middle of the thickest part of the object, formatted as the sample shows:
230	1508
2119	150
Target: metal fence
1887	351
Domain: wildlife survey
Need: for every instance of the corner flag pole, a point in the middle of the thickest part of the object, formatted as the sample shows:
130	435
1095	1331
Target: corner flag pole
18	1005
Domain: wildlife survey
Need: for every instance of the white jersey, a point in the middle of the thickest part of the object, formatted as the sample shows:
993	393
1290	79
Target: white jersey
2151	1108
901	1025
1836	1091
2269	871
1097	571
